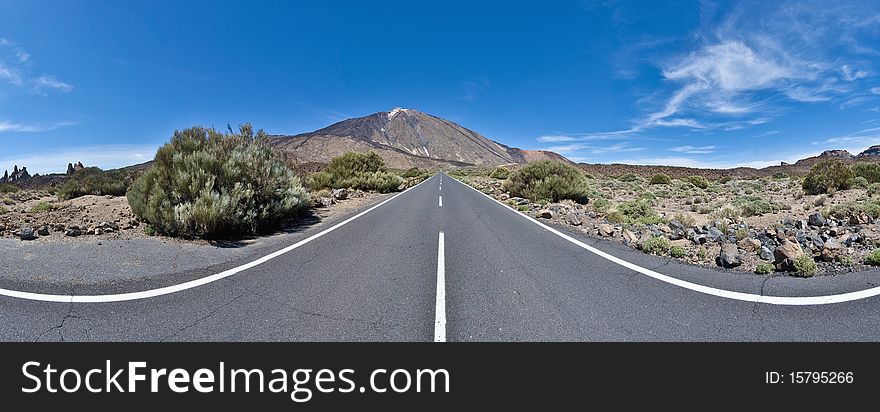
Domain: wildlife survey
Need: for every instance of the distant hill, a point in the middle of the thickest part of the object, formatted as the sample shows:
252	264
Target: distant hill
799	168
406	138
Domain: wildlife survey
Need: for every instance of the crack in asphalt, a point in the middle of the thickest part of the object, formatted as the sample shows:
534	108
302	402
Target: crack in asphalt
207	316
60	326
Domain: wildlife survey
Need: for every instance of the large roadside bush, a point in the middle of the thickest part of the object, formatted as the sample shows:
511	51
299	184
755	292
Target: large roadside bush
94	181
364	171
208	184
870	171
549	181
827	175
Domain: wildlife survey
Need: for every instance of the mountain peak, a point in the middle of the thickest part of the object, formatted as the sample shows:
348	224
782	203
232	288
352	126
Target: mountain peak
397	110
416	139
836	153
871	151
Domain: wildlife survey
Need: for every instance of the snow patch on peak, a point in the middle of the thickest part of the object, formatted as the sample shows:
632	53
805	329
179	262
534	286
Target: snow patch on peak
395	111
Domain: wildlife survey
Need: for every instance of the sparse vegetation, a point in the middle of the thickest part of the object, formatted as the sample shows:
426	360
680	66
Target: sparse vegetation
828	176
3	210
845	260
43	207
550	181
413	172
757	206
363	171
7	201
500	173
94	181
8	188
685	220
855	209
210	184
635	212
601	206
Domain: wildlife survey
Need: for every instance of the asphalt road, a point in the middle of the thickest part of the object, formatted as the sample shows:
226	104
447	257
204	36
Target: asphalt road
504	278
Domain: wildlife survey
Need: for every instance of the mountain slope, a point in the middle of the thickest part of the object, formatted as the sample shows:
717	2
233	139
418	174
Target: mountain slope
406	138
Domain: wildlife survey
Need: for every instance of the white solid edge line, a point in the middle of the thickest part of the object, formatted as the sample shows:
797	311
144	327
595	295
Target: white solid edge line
440	306
747	297
190	284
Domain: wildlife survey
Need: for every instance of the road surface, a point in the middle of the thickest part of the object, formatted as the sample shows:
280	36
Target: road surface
493	275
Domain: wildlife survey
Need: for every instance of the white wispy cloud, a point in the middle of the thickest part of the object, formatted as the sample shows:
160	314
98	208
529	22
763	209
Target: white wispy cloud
850	74
47	82
105	157
620	147
694	149
875	90
15	67
7	126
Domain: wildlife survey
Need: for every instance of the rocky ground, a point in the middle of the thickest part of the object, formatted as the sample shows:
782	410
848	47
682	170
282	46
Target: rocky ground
37	215
713	226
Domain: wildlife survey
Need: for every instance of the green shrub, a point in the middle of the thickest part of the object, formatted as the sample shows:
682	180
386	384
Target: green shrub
3	210
8	188
805	265
845	260
779	175
635	212
149	230
757	206
500	173
601	206
869	171
854	209
726	212
764	268
873	258
874	189
685	220
208	184
43	207
363	171
8	201
94	181
698	181
660	179
548	180
413	172
725	179
629	177
827	176
742	233
859	182
657	245
677	252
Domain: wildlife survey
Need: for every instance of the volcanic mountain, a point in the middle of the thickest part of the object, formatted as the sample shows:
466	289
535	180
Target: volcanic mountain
406	138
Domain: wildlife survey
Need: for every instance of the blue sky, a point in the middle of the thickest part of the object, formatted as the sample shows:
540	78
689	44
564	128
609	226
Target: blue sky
693	83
